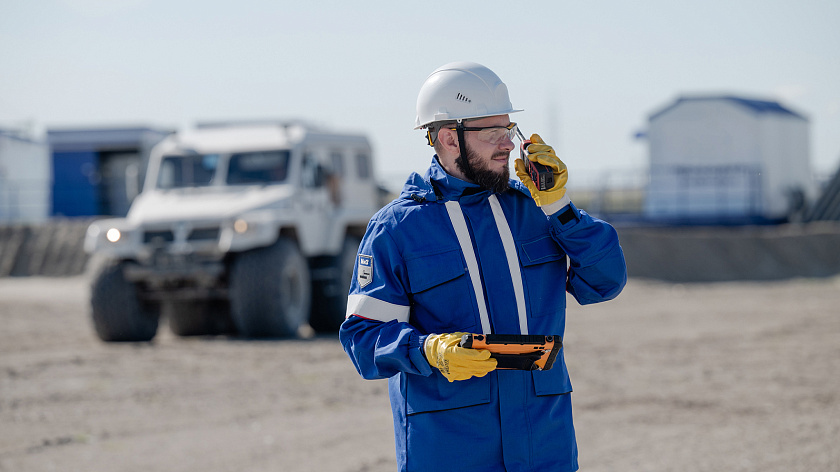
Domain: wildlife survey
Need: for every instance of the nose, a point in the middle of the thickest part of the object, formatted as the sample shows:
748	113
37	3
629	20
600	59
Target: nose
507	144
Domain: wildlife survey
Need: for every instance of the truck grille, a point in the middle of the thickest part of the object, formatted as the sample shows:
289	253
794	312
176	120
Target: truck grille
204	234
194	235
163	236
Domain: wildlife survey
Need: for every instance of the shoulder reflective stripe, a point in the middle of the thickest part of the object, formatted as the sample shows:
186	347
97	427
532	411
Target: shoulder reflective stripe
456	216
513	262
376	309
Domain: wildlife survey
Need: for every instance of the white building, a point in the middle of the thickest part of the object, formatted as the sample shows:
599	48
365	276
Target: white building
719	159
25	178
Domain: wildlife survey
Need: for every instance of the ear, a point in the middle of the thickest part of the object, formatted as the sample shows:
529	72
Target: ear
449	141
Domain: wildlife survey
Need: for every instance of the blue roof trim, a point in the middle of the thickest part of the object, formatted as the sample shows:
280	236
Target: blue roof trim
98	139
763	106
757	106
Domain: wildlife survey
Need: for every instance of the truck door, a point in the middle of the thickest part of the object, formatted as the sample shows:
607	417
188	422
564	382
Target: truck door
316	205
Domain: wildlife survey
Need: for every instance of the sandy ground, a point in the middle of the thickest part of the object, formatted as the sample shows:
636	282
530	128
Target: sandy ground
707	377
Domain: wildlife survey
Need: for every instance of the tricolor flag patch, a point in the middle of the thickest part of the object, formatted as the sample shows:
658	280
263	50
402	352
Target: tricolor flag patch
364	270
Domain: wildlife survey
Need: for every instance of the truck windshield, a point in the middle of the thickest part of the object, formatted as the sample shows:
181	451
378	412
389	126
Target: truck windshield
263	167
187	171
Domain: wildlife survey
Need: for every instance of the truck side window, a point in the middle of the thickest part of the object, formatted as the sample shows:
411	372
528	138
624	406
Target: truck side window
334	176
363	166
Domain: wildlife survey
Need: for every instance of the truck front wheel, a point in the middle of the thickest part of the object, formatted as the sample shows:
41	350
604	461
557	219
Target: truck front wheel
119	315
270	291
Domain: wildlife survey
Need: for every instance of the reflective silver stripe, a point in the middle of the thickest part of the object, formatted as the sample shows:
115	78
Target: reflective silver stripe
566	261
375	309
513	262
456	216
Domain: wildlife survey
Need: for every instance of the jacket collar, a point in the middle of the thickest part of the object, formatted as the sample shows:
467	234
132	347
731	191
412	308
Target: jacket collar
437	184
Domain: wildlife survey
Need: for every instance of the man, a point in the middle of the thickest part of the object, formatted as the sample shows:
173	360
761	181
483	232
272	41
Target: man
465	249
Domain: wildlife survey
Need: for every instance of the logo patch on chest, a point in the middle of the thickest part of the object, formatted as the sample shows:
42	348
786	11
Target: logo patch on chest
364	270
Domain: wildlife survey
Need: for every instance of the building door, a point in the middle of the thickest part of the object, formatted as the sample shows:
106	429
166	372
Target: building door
75	181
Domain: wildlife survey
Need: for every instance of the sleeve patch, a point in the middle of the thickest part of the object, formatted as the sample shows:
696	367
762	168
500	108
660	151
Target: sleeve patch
364	270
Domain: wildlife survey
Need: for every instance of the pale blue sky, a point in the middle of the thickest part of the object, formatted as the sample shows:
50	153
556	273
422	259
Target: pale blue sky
587	73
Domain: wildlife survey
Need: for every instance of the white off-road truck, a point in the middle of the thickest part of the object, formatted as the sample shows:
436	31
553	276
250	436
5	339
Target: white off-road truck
246	229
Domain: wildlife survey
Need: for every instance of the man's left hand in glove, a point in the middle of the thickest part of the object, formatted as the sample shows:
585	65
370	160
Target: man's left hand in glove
553	199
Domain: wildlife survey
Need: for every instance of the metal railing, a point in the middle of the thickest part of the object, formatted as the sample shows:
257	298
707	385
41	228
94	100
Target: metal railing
724	190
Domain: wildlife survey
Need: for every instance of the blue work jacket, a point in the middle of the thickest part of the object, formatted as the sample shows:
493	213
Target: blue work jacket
448	256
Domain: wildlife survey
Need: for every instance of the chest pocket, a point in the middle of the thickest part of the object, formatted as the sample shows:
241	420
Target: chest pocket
544	274
442	298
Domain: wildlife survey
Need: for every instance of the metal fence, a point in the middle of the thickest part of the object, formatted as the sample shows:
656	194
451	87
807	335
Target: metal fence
722	190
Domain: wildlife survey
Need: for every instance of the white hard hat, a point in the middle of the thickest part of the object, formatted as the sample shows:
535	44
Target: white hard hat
461	90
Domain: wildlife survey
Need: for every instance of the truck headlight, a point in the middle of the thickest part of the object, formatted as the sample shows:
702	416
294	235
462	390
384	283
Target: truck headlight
113	235
240	226
250	230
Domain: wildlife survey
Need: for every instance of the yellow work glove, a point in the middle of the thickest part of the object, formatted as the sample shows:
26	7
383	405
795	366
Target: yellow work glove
454	362
539	151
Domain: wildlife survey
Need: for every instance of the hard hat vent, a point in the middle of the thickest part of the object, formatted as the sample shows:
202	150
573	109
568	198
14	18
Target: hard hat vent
463	98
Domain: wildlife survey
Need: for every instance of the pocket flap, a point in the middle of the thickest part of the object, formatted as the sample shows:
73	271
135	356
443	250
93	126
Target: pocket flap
435	393
428	270
554	381
540	251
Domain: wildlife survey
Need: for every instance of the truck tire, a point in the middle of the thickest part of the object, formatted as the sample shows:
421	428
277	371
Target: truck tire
329	298
198	317
270	291
119	315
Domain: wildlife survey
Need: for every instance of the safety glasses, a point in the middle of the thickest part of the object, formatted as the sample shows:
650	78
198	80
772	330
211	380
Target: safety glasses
493	134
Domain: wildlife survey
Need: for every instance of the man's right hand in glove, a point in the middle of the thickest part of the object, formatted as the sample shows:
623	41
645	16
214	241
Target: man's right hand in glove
454	362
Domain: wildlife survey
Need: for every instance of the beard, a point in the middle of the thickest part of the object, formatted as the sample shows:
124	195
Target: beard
476	171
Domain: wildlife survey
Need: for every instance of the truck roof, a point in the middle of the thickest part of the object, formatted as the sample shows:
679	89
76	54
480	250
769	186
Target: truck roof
234	138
